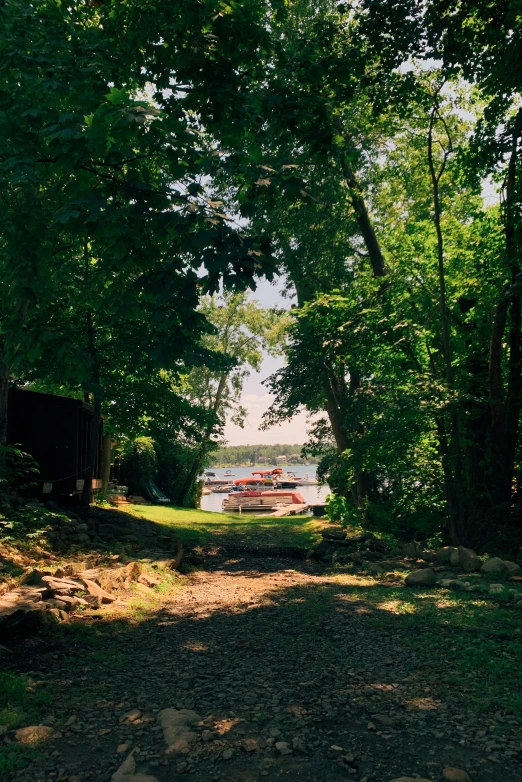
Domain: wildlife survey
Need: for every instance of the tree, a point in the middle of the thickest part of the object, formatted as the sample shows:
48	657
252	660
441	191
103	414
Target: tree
105	188
242	331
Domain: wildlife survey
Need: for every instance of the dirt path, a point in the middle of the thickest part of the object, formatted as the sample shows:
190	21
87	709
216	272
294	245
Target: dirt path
291	676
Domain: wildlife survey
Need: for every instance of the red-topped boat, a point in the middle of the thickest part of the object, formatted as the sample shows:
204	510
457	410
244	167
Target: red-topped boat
275	502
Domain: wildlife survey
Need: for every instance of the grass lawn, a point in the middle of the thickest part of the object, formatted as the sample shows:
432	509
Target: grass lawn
199	527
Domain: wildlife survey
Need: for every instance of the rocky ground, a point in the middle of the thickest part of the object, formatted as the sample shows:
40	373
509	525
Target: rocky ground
260	667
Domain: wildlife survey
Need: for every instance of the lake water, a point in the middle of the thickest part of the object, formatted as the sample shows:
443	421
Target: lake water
311	494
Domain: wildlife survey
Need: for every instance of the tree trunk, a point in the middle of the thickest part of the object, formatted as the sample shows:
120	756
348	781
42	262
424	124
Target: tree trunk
450	446
106	463
96	416
4	397
363	219
505	411
197	464
92	453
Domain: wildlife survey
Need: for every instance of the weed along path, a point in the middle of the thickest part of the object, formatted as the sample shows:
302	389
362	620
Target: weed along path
260	664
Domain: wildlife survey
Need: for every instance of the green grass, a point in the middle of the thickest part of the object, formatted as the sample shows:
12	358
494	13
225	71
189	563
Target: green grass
198	527
20	704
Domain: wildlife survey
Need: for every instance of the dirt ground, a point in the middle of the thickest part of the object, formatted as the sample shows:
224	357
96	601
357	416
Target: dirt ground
291	676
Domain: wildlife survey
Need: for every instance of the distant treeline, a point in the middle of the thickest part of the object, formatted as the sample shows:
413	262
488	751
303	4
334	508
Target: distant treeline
237	455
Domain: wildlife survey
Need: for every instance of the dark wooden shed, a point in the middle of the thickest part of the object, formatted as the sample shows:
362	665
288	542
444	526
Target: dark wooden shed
55	430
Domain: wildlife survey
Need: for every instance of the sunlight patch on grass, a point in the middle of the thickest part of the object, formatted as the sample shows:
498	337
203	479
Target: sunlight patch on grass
198	527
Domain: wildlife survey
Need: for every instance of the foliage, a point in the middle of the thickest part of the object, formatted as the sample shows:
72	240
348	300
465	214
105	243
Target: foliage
111	224
138	465
21	469
340	511
254	455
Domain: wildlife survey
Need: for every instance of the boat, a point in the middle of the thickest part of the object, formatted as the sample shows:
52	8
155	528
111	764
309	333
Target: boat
274	501
229	474
287	480
307	481
228	487
254	482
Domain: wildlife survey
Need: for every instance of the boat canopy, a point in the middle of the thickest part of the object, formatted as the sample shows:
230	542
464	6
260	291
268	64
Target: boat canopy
250	481
264	473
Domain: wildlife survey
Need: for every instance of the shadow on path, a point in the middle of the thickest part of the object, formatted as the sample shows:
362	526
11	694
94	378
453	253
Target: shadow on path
266	651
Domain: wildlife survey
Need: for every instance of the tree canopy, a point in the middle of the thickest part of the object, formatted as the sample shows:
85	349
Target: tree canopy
156	154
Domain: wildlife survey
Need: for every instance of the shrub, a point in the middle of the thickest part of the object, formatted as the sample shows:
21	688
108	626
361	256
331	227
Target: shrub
138	464
21	470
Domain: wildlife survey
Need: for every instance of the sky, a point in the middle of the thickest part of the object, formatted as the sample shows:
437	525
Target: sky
256	398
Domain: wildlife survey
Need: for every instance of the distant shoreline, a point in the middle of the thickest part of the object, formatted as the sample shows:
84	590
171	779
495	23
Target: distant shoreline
278	455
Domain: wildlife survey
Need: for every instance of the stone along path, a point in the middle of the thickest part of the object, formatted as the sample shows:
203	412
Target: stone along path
259	669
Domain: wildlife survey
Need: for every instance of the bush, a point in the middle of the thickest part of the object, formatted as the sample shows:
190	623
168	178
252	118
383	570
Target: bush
21	469
139	464
174	462
342	511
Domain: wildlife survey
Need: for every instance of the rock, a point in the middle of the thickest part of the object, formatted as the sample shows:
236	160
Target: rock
227	754
207	735
108	530
148	581
175	563
468	560
131	716
70	602
511	567
455	775
60	604
424	577
96	591
299	744
34	734
34	577
375	569
493	565
283	747
323	551
176	724
428	556
454	558
122	748
127	772
58	614
20	622
80	538
412	549
62	586
384	720
411	779
336	533
496	589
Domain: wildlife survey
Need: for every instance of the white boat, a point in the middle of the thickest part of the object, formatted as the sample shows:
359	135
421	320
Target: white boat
221	489
307	481
256	501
